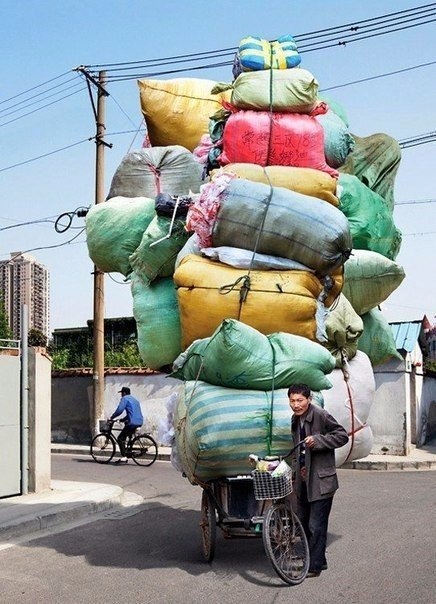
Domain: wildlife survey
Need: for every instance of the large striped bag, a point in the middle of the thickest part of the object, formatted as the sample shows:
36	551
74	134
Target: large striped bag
216	429
275	221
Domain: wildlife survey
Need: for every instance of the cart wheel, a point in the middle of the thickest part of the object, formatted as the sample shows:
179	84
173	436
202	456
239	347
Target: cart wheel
286	544
208	526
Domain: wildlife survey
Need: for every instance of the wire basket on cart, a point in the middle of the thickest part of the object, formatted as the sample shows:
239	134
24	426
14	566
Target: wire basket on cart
267	486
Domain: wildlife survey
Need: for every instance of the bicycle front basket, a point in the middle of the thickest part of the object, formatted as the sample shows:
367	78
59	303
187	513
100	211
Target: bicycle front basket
104	425
267	486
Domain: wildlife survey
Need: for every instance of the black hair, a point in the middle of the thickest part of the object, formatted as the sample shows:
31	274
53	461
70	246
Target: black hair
299	389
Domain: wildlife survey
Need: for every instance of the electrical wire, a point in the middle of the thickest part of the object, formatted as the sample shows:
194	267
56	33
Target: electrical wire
28	161
335	36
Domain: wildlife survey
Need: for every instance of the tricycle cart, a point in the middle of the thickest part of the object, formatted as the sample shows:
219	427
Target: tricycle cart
253	505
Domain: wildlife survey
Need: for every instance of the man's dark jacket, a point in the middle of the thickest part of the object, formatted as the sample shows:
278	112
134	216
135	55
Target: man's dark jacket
322	480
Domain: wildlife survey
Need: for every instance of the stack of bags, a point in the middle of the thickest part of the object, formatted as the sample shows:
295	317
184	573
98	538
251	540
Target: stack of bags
261	262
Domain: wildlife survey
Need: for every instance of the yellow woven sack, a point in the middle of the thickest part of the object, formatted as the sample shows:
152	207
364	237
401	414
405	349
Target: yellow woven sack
209	292
302	180
177	111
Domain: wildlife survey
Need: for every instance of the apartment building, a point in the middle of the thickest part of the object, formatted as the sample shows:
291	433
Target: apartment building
23	280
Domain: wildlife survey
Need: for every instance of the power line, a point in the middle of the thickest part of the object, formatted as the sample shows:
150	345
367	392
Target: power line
382	75
28	161
336	36
34	88
39	108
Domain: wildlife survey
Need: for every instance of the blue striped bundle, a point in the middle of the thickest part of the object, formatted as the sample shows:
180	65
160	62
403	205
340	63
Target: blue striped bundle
256	53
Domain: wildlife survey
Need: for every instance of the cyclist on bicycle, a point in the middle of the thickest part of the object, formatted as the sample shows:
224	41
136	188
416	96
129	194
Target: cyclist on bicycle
132	420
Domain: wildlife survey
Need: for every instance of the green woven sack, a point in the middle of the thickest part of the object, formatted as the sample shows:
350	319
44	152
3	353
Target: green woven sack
114	230
371	222
343	328
156	254
375	160
239	356
156	313
377	340
369	279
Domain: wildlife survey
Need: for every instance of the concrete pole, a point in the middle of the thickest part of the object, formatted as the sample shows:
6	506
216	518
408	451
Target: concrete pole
98	333
24	400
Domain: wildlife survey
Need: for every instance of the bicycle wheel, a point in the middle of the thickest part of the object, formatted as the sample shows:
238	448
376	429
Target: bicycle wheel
144	450
208	526
103	447
285	544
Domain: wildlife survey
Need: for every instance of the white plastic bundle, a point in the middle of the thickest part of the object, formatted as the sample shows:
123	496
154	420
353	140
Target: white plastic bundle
349	401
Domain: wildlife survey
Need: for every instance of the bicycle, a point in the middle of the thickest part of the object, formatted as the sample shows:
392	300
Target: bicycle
141	447
254	505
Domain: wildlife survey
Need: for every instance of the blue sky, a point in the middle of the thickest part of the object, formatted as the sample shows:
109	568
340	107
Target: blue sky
45	39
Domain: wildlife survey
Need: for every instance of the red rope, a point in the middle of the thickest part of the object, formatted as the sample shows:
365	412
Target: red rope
350	398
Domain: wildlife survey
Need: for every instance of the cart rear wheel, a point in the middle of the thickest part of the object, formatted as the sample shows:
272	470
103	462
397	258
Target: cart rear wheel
208	526
286	544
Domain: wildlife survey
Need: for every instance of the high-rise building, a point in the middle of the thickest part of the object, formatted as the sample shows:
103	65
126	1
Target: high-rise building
23	280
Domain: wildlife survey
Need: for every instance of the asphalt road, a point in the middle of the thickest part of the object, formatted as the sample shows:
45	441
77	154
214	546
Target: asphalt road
382	542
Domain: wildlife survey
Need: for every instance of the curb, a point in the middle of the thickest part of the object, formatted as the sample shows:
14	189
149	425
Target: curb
389	465
164	453
59	506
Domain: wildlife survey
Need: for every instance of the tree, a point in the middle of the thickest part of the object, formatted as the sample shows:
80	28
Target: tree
36	338
5	332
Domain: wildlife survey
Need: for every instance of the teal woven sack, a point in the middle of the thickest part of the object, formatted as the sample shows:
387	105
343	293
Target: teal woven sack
157	318
371	221
377	340
114	230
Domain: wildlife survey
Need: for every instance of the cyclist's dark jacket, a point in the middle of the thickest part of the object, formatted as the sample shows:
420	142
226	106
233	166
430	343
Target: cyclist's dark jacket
131	406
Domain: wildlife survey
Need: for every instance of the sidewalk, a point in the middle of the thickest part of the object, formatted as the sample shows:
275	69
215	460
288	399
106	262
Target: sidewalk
69	502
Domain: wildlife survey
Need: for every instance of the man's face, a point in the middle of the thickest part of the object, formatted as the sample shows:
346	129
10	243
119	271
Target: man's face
299	403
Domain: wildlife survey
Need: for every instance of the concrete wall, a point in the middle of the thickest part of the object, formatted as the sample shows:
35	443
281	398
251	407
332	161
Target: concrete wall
39	401
427	426
70	409
72	396
389	417
10	423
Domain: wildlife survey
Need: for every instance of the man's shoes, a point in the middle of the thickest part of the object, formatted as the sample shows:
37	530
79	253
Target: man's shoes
313	573
122	460
324	566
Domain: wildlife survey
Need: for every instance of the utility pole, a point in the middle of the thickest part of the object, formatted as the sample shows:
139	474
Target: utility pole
98	324
97	408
